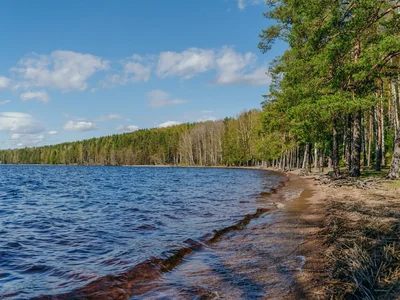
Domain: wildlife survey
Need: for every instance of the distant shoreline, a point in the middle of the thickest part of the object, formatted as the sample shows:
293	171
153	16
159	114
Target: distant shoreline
329	215
151	166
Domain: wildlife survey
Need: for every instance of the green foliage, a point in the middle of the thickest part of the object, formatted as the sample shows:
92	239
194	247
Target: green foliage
340	54
230	142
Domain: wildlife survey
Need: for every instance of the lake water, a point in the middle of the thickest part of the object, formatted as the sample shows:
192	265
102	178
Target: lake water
62	227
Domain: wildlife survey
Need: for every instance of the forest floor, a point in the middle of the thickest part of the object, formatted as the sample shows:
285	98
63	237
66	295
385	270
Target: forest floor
351	238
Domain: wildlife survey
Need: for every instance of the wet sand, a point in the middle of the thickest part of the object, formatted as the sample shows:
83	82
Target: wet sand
272	254
282	252
273	257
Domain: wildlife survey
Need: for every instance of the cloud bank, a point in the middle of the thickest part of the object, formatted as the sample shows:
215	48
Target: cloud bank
79	126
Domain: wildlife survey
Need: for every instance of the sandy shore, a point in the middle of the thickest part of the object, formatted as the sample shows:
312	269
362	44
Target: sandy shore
314	241
276	256
310	210
301	223
351	241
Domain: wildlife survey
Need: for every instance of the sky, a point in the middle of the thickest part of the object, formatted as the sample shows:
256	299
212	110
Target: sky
72	70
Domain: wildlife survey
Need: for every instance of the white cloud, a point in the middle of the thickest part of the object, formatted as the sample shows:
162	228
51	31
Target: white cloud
158	98
63	70
234	68
52	132
206	118
4	82
40	96
207	111
5	102
243	3
114	117
79	126
21	123
26	140
129	128
113	80
168	124
75	118
109	117
185	64
135	69
139	71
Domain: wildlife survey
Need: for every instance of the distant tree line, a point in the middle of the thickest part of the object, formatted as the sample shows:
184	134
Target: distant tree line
334	101
233	142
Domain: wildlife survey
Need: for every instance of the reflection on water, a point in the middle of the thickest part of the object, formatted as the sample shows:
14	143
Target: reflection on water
63	227
257	262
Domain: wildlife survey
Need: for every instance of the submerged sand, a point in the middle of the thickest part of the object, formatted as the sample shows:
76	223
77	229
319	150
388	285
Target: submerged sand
302	250
284	252
271	258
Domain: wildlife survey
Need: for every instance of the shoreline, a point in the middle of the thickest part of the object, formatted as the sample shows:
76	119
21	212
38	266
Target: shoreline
311	281
351	240
143	274
292	250
351	237
284	229
260	258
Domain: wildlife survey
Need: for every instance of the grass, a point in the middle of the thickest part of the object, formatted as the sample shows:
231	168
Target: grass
364	250
392	183
371	173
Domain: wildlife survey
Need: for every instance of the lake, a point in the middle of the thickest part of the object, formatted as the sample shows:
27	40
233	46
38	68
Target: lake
62	227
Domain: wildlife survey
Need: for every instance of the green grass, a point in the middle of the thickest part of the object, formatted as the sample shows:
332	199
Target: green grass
372	173
392	183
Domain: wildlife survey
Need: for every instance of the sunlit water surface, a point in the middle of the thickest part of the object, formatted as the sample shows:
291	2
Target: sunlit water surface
64	226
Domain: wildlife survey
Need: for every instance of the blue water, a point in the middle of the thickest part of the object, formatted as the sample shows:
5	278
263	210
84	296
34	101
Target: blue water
64	226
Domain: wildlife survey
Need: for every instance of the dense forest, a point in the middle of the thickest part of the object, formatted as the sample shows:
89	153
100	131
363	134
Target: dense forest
334	102
233	141
335	92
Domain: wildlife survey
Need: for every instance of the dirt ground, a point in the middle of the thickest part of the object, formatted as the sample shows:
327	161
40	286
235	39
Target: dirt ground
351	241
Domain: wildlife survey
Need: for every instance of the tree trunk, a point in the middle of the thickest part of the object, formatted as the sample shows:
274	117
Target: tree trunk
382	122
306	149
309	158
347	141
293	159
394	172
334	161
370	133
378	139
321	161
356	146
315	157
364	142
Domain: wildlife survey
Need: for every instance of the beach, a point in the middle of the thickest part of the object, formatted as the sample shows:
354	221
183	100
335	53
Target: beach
304	237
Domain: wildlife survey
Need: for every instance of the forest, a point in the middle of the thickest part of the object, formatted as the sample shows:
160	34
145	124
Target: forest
335	91
231	142
334	102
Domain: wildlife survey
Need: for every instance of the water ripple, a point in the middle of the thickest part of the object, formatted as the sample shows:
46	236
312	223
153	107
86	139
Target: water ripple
62	227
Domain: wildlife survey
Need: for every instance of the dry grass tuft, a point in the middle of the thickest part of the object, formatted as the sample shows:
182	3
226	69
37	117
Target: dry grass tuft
364	243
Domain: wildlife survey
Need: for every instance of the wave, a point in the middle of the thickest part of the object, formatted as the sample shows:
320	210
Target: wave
141	277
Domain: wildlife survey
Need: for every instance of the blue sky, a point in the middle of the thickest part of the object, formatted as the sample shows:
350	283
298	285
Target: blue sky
71	70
